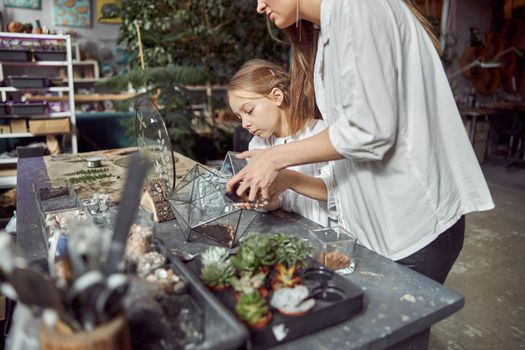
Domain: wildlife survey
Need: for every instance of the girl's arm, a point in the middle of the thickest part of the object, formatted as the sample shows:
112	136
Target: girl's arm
308	186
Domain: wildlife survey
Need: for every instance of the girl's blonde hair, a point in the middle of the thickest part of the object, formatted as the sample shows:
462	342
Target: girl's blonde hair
261	77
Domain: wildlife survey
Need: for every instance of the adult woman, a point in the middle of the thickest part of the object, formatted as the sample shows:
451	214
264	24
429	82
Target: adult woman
405	171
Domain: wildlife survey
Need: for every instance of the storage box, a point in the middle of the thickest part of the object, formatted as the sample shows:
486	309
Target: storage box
5	129
50	55
4	109
15	55
49	126
18	125
32	108
24	82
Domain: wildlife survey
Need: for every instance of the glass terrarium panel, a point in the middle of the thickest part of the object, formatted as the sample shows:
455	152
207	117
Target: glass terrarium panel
232	165
154	142
246	219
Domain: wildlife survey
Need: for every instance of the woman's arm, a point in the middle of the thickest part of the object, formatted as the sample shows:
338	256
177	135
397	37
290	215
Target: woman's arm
264	165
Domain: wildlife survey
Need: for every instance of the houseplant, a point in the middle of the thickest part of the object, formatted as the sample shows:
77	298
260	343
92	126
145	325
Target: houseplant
252	309
217	269
291	253
249	284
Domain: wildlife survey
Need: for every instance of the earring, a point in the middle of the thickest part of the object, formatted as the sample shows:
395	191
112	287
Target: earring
297	24
297	15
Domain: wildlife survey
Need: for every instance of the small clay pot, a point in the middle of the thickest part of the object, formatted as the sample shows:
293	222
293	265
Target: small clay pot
218	288
263	292
262	323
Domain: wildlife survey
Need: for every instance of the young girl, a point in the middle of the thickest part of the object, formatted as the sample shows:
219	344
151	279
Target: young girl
259	96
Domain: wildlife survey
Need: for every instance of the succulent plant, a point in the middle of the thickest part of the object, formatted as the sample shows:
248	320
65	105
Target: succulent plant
218	274
292	301
263	247
285	276
214	255
217	269
251	308
248	284
246	260
290	250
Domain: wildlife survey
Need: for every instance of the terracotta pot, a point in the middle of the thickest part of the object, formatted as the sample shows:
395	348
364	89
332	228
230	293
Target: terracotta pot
292	314
263	292
218	288
262	323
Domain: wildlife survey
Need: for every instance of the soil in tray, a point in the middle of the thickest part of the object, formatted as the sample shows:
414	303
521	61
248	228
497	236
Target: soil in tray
49	193
158	320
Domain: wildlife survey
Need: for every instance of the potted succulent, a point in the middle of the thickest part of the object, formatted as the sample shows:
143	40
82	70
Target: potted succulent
290	255
217	269
249	284
264	248
256	253
292	301
252	309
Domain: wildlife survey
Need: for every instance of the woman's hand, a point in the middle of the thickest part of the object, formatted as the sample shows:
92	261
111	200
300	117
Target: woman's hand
256	178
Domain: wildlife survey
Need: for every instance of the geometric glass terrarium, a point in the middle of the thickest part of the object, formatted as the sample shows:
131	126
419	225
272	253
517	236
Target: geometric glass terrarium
199	203
202	209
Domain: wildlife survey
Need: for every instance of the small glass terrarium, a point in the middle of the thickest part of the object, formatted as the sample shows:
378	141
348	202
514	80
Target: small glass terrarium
54	195
202	207
334	247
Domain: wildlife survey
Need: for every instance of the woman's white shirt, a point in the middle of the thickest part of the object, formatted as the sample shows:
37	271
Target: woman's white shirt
318	211
409	171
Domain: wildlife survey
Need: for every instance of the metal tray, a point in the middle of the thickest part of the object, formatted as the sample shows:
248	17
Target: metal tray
222	330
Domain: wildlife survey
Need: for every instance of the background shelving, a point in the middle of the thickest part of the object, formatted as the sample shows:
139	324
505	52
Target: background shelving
64	108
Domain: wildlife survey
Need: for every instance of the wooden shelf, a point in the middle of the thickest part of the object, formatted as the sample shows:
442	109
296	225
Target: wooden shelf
37	116
4	161
84	98
37	63
50	89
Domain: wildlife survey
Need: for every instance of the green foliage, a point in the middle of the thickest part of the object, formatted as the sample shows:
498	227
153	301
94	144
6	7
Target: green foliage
263	247
251	308
290	250
246	260
248	284
188	42
214	35
217	274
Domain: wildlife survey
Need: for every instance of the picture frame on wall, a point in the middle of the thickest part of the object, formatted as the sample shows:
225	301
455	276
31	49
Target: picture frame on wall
72	14
108	11
26	4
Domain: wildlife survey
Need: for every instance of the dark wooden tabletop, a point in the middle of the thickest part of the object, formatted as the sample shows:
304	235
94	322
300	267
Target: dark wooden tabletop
399	304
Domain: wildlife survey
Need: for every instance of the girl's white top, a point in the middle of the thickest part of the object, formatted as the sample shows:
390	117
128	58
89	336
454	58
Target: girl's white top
409	171
312	209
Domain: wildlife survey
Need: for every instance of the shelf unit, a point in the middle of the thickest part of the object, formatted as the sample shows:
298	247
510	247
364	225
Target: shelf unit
64	93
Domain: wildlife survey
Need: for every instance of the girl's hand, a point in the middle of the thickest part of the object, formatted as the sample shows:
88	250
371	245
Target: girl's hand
255	178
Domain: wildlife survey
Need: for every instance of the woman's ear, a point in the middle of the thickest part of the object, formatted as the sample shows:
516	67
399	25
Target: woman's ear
277	96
